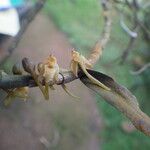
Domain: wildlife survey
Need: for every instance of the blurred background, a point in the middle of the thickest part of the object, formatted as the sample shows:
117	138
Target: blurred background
64	123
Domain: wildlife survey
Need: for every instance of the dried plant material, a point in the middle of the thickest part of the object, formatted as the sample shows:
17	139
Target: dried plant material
68	92
46	71
80	61
21	93
44	74
12	94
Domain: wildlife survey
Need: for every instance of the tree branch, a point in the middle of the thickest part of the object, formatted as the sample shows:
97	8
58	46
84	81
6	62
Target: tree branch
121	99
118	96
96	52
15	81
141	70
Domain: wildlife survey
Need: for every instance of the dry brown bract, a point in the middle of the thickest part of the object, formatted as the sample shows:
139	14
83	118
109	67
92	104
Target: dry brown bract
12	94
80	61
46	71
21	93
45	75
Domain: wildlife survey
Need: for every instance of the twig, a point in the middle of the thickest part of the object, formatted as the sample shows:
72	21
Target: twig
15	81
100	45
121	99
146	66
127	50
131	33
131	42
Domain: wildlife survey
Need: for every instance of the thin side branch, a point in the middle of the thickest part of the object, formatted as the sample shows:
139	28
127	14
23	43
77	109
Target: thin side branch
131	33
128	49
100	45
145	67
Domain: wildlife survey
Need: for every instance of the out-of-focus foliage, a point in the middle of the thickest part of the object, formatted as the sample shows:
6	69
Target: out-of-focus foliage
74	17
82	21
